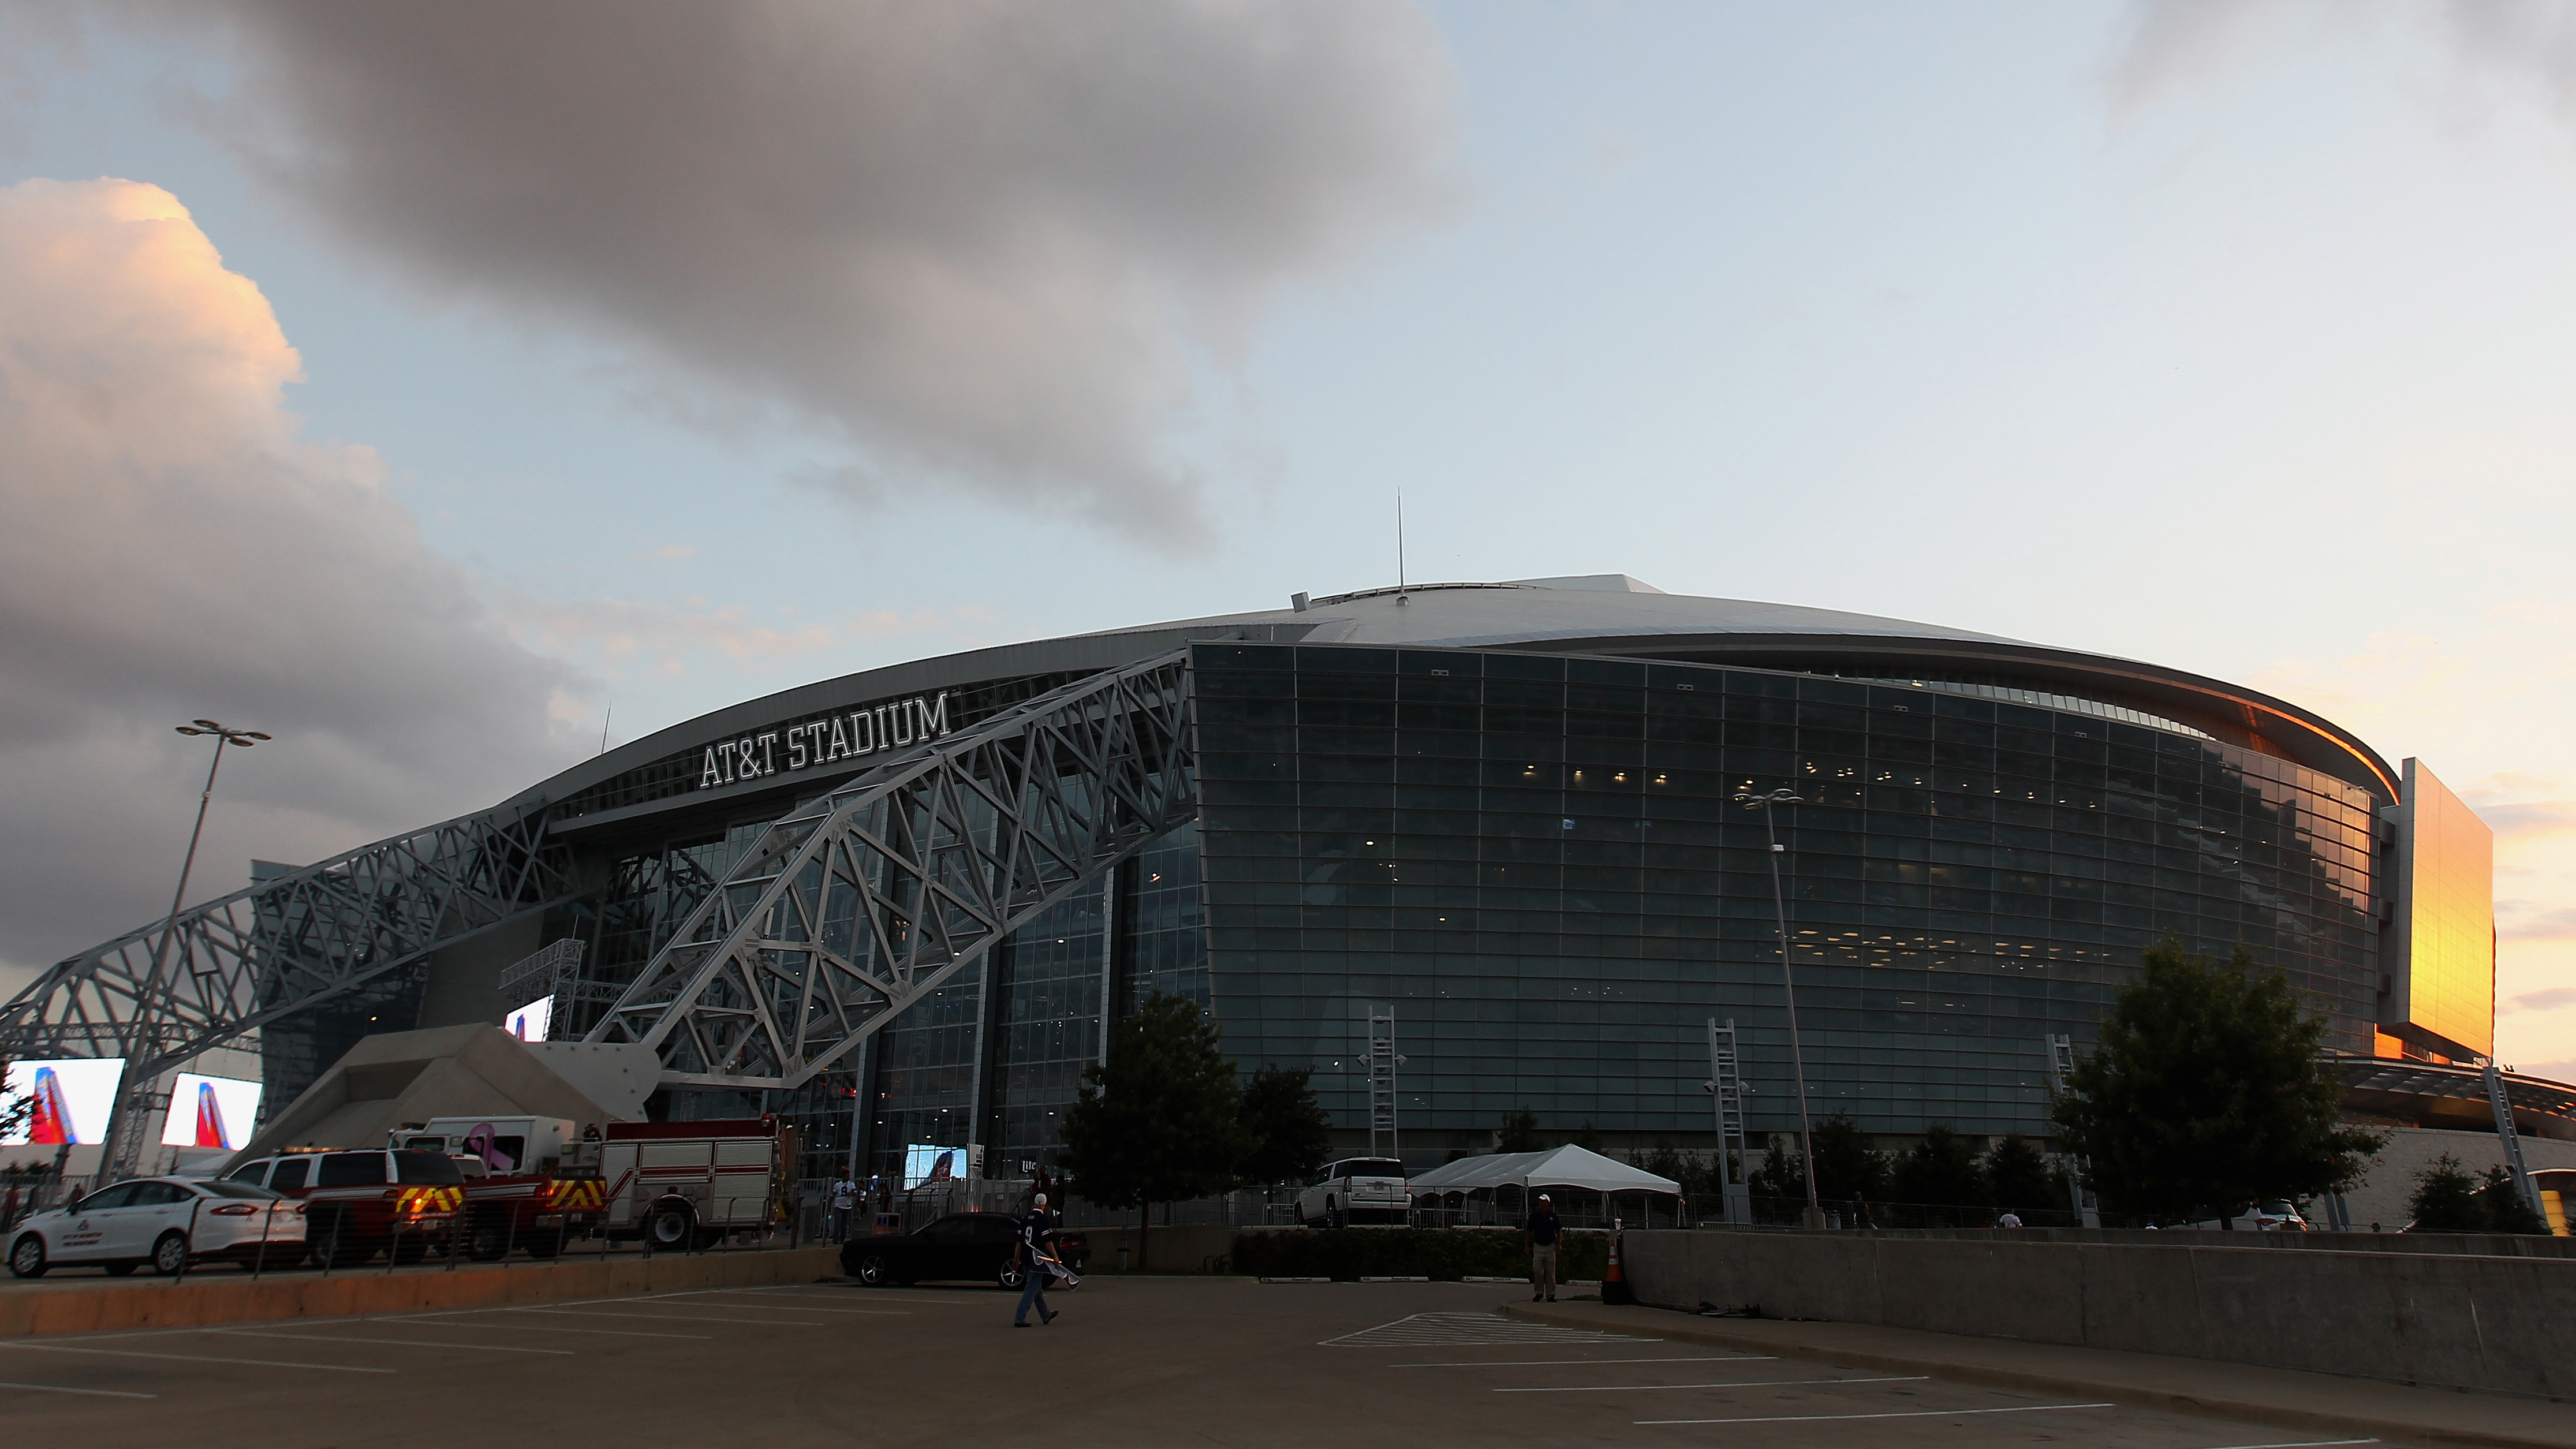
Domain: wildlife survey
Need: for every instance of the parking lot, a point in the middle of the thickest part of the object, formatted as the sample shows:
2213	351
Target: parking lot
1130	1360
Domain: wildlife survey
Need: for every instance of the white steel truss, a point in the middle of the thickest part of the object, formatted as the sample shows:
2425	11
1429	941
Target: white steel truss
1382	1062
859	903
233	965
1727	1092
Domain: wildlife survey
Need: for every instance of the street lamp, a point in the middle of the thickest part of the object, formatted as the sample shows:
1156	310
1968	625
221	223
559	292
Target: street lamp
1789	985
223	736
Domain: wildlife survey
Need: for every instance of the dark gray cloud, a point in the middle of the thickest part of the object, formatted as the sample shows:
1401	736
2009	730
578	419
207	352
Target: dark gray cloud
172	547
987	242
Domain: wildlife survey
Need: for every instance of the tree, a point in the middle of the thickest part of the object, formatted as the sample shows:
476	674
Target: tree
1847	1166
1940	1170
1779	1182
1520	1133
2506	1211
1665	1160
1286	1132
2448	1200
2205	1095
1160	1119
2018	1176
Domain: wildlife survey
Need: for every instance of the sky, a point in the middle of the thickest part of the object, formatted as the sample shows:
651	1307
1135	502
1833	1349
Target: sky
447	389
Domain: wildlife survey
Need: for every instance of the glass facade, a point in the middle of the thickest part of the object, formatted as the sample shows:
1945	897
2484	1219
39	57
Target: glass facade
1536	859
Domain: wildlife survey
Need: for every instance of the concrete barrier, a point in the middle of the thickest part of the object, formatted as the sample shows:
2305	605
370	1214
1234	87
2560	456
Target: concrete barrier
2441	1320
222	1296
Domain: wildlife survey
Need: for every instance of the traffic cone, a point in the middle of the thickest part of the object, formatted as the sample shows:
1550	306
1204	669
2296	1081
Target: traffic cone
1614	1283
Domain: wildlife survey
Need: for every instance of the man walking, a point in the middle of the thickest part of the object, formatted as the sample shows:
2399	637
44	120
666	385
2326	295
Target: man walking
1540	1236
1037	1247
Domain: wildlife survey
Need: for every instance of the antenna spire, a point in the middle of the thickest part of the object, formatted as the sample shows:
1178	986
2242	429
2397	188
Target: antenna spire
1400	579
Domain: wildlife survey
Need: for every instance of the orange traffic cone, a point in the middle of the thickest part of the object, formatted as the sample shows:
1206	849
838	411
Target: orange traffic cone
1614	1283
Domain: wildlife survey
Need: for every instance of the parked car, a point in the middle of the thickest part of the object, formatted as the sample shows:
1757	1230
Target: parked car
1357	1190
978	1247
359	1204
168	1222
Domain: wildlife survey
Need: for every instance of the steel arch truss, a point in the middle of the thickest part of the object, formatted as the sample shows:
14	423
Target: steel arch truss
250	958
854	906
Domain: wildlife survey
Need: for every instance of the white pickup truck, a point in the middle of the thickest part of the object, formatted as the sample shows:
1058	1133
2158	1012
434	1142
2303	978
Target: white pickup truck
1358	1190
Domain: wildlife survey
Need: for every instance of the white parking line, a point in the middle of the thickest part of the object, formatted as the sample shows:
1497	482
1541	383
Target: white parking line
446	1319
957	1301
1908	1414
2300	1444
669	1317
1739	1384
810	1308
1556	1362
395	1342
337	1368
65	1389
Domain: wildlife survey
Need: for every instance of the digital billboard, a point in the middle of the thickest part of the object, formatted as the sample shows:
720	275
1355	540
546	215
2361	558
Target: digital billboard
924	1164
2443	977
531	1022
210	1112
71	1100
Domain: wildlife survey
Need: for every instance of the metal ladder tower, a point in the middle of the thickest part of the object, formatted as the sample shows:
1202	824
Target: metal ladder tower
1726	1090
1382	1062
2061	1066
2502	1105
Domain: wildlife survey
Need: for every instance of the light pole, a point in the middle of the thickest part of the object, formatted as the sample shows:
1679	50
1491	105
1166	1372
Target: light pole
132	1118
223	736
1789	986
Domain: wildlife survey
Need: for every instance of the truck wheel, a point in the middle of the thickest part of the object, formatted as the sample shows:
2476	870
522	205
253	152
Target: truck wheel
670	1229
487	1240
27	1259
873	1271
170	1254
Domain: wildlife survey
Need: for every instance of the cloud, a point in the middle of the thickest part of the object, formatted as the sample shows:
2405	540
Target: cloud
987	243
2548	1000
613	637
2530	819
171	547
2521	921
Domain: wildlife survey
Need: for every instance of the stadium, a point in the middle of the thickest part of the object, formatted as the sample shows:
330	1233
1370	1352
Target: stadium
1464	849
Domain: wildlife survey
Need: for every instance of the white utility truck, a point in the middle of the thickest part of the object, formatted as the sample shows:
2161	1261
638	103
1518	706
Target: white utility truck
684	1184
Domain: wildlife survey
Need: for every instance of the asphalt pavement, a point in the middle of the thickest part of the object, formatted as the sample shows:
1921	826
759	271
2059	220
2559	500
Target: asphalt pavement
1130	1360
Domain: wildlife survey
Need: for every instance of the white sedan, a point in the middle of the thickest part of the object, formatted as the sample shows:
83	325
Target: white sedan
167	1222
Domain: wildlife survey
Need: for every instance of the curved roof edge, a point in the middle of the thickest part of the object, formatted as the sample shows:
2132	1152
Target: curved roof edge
1609	615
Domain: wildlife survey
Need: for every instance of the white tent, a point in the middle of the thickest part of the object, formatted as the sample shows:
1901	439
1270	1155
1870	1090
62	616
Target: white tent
1567	1166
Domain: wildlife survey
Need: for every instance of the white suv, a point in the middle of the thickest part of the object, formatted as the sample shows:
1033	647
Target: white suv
1357	1190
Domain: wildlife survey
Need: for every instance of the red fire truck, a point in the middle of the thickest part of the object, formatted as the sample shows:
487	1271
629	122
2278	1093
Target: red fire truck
686	1184
530	1182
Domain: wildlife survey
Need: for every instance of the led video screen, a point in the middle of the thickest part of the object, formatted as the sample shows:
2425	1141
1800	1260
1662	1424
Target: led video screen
210	1112
532	1021
70	1100
926	1164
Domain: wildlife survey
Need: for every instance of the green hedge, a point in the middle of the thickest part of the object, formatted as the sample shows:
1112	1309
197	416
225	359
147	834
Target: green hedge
1447	1254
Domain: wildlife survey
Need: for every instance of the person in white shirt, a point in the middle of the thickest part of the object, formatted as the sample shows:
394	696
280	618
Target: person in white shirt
2010	1219
845	1196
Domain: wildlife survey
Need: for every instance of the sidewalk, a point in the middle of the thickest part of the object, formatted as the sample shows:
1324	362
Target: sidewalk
2285	1397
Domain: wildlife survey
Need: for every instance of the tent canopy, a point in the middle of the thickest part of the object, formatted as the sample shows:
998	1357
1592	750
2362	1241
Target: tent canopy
1567	1166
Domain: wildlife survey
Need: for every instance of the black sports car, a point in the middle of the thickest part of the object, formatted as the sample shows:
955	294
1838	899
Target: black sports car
971	1246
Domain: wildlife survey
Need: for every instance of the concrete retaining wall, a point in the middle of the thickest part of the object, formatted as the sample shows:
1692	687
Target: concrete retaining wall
222	1295
2444	1320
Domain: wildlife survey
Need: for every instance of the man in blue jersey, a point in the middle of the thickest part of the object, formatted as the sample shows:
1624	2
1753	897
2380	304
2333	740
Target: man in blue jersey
1037	1247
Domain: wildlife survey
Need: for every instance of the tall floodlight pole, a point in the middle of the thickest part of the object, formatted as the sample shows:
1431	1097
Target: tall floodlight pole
125	1131
223	736
1789	986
